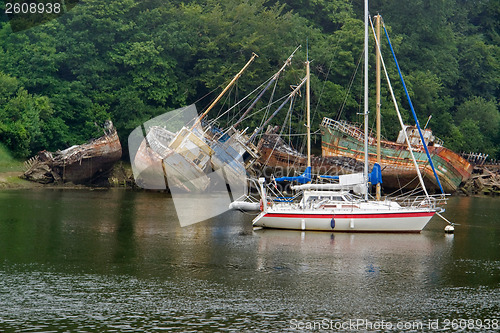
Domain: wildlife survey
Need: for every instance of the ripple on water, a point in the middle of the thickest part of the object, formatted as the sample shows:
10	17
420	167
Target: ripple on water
129	270
47	301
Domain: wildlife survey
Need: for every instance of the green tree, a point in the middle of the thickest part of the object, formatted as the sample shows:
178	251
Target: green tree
473	139
483	116
132	60
427	94
480	67
22	118
327	15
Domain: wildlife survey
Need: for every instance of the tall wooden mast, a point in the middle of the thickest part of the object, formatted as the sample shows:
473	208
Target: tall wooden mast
237	76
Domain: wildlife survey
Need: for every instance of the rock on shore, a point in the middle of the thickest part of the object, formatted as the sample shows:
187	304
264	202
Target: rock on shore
485	180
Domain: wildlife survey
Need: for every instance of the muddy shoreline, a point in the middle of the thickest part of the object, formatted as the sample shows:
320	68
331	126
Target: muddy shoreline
120	176
485	181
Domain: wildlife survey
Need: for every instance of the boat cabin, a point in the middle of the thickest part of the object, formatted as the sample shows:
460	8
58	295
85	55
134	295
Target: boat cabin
328	199
414	137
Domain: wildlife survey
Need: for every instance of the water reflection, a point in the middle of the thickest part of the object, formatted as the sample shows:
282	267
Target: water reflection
356	261
118	260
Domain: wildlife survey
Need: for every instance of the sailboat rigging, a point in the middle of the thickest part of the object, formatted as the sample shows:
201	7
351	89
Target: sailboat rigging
345	204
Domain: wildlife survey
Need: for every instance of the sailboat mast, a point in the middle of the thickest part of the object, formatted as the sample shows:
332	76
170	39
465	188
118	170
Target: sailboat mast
365	171
378	190
308	112
237	76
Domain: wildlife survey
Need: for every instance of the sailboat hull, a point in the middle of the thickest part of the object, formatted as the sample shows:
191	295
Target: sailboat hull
408	221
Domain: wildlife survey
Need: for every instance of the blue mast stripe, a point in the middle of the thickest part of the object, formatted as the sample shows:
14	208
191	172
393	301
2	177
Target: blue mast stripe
413	112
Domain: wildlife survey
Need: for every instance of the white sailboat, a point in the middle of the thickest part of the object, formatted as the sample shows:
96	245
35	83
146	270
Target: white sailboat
346	205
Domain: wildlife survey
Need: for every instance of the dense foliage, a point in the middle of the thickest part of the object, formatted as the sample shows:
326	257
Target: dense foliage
130	60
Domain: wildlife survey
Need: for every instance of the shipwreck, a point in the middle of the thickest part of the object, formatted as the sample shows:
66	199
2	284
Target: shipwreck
280	158
79	164
341	138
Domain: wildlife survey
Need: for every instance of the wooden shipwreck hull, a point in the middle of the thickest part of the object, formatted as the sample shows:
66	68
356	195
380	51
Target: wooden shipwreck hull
341	138
280	159
77	164
187	158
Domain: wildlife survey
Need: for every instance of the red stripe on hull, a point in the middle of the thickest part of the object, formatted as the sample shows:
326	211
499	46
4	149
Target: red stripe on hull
350	216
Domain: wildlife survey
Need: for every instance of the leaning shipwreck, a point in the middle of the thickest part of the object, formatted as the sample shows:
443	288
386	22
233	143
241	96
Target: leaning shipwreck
281	159
342	152
341	138
189	156
80	164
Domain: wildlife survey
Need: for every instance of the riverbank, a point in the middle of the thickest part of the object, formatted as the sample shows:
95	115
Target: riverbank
484	182
11	171
120	176
12	179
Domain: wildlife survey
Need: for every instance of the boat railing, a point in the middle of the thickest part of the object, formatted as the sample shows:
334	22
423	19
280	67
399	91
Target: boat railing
275	195
158	139
438	141
347	128
422	201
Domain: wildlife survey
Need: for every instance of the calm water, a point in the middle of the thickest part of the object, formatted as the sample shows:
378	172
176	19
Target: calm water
118	261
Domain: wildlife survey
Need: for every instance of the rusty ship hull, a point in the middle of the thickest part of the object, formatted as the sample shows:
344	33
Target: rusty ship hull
280	159
345	139
100	156
80	164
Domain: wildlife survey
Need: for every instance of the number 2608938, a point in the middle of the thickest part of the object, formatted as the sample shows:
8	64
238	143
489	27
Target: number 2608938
33	8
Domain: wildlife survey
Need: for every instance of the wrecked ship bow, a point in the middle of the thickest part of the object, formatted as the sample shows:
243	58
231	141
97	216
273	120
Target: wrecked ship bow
79	164
188	157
